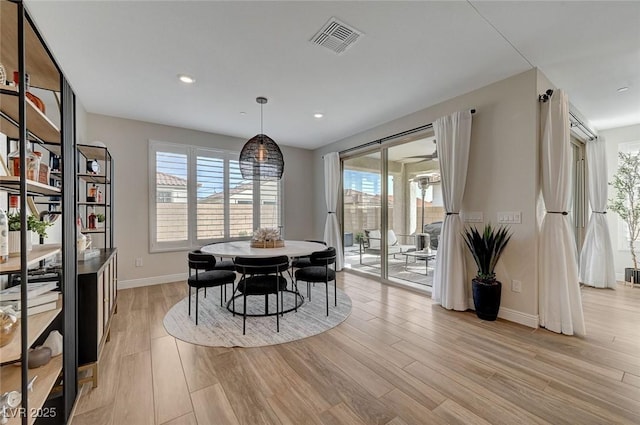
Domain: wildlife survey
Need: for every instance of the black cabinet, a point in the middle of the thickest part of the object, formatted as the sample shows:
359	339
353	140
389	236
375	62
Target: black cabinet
97	302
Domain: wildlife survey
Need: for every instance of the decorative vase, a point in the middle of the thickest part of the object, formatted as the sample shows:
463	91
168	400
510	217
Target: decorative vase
8	326
632	275
14	243
486	299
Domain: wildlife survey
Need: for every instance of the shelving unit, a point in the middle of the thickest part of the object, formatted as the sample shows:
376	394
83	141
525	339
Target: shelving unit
103	182
25	125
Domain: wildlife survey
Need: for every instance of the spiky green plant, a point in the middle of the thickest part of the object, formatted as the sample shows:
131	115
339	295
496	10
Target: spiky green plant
626	200
486	248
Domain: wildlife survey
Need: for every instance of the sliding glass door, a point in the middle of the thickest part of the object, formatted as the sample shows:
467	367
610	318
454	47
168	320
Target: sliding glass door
392	211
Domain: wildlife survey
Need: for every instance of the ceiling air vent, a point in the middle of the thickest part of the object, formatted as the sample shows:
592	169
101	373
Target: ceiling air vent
336	36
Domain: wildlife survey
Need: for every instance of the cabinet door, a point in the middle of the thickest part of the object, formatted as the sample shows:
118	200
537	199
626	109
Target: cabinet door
105	300
100	305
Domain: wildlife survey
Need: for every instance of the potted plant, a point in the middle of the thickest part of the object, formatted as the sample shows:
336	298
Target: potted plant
33	225
626	203
486	249
100	219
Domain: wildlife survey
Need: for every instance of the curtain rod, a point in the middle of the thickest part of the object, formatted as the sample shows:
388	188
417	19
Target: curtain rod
574	121
393	136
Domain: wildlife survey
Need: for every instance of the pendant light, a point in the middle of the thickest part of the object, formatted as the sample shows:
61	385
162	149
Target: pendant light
261	158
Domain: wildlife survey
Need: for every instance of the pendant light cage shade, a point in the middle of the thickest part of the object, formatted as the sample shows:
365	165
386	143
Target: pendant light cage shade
261	159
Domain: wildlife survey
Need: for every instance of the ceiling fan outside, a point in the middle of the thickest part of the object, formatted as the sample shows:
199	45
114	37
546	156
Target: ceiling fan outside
429	157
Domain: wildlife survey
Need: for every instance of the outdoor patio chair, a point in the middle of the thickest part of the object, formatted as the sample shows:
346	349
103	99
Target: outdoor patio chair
370	243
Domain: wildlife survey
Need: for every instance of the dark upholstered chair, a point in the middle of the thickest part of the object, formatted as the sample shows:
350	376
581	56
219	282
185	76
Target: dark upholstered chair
320	272
206	276
223	264
302	262
262	276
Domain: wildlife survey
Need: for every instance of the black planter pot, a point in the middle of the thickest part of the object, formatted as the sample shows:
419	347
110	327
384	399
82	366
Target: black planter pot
631	272
486	298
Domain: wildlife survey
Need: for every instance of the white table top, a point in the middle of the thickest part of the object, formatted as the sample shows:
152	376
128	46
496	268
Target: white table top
243	249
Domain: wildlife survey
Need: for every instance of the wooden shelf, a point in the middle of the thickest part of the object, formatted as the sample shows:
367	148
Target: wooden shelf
93	152
94	204
34	188
37	323
94	178
37	122
42	70
47	376
39	252
98	230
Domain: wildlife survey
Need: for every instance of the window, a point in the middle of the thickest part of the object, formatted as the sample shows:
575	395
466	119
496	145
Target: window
200	197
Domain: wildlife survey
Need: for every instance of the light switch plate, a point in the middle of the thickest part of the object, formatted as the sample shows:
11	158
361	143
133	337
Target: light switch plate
509	217
473	217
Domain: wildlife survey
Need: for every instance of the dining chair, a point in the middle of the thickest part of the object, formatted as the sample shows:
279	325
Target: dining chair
261	276
304	261
223	264
206	276
320	272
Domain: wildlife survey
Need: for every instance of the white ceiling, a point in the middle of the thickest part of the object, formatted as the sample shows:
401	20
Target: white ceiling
122	59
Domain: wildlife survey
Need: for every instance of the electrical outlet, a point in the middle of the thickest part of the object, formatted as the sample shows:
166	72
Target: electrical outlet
139	262
516	286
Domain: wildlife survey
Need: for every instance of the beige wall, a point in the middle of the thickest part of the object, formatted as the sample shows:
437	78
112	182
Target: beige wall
127	141
615	137
502	174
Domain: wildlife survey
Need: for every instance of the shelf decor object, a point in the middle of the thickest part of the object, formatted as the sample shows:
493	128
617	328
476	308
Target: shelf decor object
261	158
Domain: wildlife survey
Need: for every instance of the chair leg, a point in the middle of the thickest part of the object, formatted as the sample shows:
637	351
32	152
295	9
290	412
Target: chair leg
244	315
266	303
335	292
189	300
281	302
221	294
278	310
309	291
205	292
197	289
326	293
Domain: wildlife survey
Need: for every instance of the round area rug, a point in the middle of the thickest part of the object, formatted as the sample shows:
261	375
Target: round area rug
218	327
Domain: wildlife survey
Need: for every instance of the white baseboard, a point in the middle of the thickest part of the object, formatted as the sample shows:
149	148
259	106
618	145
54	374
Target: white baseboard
529	320
148	281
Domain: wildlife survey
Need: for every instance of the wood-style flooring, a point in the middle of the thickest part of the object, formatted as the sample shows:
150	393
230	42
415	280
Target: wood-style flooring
399	359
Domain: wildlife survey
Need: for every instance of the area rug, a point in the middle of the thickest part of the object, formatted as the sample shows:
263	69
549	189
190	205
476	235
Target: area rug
218	327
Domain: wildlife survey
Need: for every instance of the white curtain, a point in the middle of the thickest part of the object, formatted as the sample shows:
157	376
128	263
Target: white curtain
596	258
331	190
453	136
560	305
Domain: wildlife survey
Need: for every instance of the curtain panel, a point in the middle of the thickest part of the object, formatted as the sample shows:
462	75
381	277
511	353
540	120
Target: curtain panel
331	191
596	258
560	303
453	137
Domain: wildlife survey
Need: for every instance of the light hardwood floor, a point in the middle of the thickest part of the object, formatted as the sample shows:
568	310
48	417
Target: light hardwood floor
398	359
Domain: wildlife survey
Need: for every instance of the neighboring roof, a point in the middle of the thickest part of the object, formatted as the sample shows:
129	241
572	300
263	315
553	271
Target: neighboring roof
164	179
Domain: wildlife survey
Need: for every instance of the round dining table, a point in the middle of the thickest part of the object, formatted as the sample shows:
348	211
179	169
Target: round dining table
291	249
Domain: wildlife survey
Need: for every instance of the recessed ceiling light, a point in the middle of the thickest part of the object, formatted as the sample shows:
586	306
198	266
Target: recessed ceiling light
623	89
243	113
318	115
187	79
